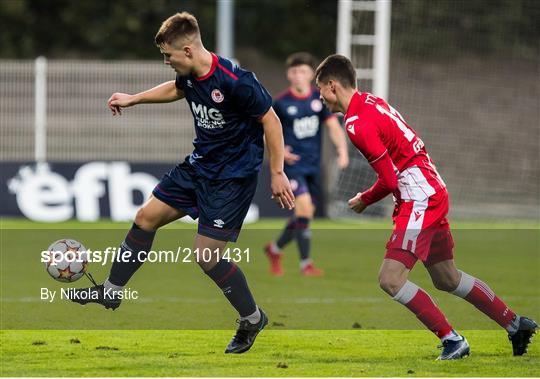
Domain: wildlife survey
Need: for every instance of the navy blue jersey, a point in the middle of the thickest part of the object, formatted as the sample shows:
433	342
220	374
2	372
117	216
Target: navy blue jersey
226	104
301	118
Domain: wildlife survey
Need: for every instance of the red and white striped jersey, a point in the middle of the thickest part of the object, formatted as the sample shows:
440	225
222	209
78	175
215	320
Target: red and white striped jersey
377	130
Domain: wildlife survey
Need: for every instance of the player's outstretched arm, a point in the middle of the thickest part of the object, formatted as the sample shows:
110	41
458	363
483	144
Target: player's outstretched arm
163	93
273	133
337	135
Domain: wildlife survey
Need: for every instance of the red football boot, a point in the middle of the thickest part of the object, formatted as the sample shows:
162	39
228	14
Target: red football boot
275	260
311	270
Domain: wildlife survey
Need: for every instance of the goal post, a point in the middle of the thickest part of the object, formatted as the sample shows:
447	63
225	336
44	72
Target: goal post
368	47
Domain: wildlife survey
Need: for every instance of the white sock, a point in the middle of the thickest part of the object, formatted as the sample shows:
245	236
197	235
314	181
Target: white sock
305	262
253	318
114	288
406	293
274	249
466	284
452	336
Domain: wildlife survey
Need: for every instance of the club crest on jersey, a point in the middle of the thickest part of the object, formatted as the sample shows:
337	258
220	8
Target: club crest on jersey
189	84
292	110
316	105
217	96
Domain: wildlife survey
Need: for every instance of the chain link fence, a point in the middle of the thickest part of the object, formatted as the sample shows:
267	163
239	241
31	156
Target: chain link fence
79	126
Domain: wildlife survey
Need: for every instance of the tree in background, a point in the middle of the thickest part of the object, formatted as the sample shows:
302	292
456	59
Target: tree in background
125	29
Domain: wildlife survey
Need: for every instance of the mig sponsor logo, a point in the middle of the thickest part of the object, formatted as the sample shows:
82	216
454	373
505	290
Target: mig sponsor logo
207	118
306	127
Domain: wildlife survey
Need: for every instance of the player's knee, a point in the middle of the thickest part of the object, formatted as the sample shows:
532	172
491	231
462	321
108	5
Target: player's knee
447	284
391	284
144	220
304	207
304	213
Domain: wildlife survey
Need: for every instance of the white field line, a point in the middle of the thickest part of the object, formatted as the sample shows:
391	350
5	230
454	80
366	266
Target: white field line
179	299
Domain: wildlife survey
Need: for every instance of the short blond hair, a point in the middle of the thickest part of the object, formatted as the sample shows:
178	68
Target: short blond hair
179	25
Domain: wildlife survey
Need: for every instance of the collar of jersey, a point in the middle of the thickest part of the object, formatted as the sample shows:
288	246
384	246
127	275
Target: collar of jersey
293	95
212	69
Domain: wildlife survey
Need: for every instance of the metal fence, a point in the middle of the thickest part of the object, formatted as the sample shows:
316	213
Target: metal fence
77	123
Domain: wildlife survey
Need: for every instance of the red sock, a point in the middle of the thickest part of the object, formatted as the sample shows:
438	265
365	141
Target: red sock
482	297
421	304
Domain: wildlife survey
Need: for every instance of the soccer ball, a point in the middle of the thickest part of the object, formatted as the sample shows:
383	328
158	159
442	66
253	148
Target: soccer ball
67	260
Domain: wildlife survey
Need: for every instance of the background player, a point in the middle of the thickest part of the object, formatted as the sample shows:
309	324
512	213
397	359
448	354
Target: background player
301	113
216	183
421	230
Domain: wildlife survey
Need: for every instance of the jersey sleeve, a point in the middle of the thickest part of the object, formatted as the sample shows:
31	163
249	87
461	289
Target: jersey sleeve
386	180
250	96
363	135
276	104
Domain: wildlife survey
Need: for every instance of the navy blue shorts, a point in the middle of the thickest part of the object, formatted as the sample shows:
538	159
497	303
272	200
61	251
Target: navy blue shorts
220	205
306	184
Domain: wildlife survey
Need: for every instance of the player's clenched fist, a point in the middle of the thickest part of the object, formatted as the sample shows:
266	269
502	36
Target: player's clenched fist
356	203
118	101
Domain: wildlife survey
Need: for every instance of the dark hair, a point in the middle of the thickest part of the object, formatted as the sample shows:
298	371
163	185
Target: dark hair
300	58
180	25
339	68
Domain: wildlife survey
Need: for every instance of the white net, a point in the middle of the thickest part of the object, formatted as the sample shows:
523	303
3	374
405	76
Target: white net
478	112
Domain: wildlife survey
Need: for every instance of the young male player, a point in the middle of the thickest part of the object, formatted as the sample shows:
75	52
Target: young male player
301	113
421	230
216	182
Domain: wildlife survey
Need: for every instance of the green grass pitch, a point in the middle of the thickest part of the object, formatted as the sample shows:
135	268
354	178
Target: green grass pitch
339	325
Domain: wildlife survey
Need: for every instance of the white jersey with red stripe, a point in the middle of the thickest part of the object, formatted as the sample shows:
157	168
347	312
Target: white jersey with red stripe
376	129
